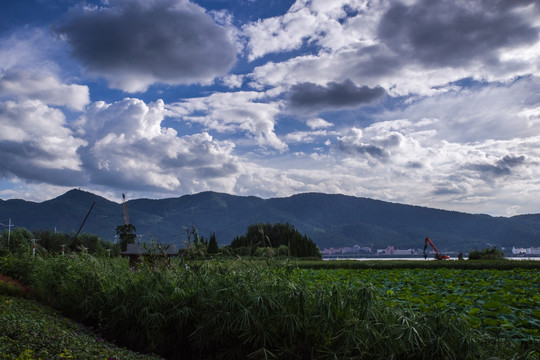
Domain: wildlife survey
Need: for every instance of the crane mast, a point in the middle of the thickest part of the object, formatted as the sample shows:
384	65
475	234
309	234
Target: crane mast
126	215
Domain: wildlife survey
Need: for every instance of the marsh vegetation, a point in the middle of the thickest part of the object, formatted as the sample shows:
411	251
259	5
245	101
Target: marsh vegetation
238	309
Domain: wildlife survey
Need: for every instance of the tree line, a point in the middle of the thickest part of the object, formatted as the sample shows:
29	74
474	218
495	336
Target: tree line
260	240
283	239
21	240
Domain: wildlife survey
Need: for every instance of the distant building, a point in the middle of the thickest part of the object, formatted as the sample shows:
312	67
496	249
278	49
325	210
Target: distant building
402	252
526	251
519	251
328	251
346	250
534	251
362	249
356	249
391	250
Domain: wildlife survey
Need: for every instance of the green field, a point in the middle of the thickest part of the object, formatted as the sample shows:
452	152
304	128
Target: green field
505	303
238	309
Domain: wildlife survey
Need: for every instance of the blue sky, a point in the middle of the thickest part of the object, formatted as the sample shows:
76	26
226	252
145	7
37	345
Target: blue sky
431	103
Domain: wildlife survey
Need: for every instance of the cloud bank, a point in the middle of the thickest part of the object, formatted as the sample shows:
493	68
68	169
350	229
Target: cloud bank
432	103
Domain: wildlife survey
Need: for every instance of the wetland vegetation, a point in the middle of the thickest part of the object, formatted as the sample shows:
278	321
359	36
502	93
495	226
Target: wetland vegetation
275	308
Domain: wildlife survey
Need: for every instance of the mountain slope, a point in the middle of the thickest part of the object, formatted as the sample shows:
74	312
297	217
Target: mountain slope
330	220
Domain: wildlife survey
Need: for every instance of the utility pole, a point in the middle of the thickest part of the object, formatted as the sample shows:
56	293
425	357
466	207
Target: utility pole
9	232
9	225
34	246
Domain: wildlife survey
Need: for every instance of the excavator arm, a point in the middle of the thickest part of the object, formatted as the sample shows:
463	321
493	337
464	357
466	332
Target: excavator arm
437	255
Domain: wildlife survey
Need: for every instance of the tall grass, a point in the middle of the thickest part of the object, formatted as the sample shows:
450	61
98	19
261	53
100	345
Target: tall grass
240	310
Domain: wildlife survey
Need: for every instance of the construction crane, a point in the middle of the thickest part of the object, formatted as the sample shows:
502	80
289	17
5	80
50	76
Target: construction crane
84	221
126	215
437	255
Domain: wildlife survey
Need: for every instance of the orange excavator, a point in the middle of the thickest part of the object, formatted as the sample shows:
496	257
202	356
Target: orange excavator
437	255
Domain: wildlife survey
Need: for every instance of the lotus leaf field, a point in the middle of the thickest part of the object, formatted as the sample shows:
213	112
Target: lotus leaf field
505	303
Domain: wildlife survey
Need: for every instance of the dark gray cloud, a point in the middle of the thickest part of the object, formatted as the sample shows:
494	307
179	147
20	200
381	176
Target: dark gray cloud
511	4
22	160
225	170
334	95
511	161
451	33
378	148
373	61
490	170
448	190
502	167
135	43
414	165
364	149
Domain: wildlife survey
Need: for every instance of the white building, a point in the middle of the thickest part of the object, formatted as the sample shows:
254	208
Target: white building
402	252
526	251
518	251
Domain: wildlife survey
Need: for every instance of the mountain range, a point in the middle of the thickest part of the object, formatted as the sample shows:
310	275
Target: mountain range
331	220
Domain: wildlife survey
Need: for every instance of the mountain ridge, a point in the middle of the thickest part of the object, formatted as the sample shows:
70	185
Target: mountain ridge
331	220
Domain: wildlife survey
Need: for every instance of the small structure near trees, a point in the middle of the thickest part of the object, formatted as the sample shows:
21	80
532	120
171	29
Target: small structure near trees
151	253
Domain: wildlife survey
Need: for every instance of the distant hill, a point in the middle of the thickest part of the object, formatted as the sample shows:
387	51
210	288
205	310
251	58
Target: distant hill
330	220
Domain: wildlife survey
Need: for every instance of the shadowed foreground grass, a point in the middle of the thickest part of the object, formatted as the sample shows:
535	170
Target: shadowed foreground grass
29	330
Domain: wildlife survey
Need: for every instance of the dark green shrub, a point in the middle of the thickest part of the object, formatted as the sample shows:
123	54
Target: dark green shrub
18	241
486	254
10	289
20	267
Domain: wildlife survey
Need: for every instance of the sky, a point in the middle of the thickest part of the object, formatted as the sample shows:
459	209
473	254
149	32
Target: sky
421	102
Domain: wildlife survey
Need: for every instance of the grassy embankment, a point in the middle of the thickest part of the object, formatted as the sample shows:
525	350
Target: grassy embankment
29	330
242	309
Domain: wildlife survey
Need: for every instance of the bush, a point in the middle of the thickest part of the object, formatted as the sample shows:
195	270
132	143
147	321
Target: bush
20	267
486	254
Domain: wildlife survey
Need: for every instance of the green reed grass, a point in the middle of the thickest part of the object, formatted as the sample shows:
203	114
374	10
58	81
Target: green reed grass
245	310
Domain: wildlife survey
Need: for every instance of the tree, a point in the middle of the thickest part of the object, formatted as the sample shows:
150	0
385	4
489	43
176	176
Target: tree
486	254
127	235
19	241
213	247
275	236
52	241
